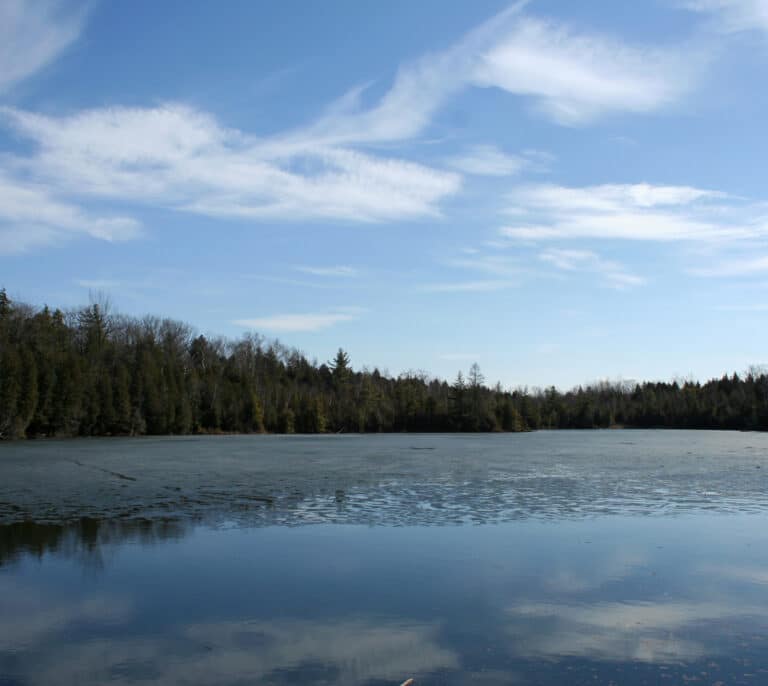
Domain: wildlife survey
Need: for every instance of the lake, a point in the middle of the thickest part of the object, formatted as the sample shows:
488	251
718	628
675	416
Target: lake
599	557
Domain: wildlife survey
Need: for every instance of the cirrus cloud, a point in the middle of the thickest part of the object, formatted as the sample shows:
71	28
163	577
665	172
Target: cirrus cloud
631	212
32	34
734	15
487	160
615	274
301	323
31	216
181	158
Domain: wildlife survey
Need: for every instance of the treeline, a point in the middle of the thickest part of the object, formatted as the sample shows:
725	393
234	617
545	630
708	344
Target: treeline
93	373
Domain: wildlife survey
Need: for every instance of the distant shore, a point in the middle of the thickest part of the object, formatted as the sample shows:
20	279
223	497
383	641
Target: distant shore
91	372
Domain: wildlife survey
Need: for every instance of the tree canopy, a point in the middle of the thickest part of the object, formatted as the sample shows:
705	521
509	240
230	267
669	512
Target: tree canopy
92	372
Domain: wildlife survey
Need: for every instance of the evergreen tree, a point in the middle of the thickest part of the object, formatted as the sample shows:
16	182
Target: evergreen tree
91	373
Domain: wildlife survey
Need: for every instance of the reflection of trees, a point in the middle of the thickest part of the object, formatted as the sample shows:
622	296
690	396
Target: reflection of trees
83	539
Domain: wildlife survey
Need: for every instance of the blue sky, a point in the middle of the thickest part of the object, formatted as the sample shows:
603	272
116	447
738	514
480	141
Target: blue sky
562	192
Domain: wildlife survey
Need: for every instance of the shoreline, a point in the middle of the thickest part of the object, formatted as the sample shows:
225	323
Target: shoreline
225	434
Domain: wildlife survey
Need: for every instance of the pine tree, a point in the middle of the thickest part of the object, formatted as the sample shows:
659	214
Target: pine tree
457	398
287	421
5	305
121	400
340	367
11	383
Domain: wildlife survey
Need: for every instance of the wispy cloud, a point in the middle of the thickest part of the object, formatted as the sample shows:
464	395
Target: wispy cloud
32	34
572	77
510	271
175	156
747	266
337	271
631	211
498	265
614	273
756	307
487	160
477	286
298	283
31	216
505	272
97	284
419	89
734	15
575	77
178	157
298	323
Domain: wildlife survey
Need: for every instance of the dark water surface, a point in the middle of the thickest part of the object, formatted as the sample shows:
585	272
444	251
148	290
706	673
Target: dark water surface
552	558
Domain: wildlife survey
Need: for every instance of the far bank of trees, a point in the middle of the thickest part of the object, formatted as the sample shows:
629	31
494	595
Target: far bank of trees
90	372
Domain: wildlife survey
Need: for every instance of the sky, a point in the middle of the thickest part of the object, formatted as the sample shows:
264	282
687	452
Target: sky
561	192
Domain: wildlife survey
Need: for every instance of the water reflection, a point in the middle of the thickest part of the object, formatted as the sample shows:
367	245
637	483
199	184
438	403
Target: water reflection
617	632
351	652
617	599
84	539
31	617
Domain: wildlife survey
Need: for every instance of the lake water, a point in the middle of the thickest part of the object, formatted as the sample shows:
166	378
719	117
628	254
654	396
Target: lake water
621	558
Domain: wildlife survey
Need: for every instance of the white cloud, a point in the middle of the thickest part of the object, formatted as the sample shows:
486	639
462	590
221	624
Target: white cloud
631	211
734	15
577	77
487	160
341	271
180	158
295	323
510	270
614	273
177	157
757	307
610	197
573	77
747	266
420	88
506	272
478	286
497	265
30	216
97	284
569	260
32	34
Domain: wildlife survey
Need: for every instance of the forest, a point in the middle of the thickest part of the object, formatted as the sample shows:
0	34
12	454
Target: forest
92	372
